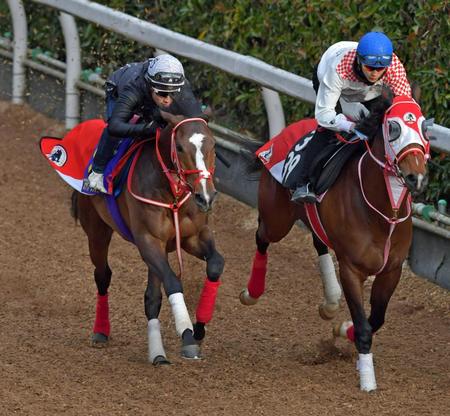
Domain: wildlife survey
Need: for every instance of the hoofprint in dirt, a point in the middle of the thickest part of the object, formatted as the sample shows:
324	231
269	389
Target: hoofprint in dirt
275	358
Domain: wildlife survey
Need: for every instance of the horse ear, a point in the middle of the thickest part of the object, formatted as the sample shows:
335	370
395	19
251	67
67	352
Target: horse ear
207	113
416	91
171	118
387	95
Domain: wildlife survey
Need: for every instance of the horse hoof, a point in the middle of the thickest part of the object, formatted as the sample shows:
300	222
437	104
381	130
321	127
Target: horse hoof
199	332
191	352
340	330
246	299
328	311
160	360
99	340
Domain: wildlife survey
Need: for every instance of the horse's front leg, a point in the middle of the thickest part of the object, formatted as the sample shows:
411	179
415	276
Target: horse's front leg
155	256
203	247
382	289
352	283
152	303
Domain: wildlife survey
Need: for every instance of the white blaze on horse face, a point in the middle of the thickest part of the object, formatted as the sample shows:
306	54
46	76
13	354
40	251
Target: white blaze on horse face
197	141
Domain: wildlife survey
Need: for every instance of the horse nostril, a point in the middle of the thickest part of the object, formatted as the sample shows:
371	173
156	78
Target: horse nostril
200	200
411	181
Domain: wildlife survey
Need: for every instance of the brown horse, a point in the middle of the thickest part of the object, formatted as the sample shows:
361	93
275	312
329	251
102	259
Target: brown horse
366	217
165	207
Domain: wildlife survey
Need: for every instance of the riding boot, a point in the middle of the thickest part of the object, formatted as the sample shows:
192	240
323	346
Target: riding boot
302	191
104	153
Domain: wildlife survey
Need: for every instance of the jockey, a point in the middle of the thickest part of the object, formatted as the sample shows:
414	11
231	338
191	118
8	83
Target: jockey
354	72
141	89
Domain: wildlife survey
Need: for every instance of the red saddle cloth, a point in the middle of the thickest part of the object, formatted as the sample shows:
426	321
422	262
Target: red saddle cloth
71	156
273	153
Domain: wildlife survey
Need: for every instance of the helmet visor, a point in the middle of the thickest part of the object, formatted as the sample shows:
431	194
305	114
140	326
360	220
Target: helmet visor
377	61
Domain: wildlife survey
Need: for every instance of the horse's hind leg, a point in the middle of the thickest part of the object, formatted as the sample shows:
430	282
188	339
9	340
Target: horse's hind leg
257	281
152	302
331	289
99	236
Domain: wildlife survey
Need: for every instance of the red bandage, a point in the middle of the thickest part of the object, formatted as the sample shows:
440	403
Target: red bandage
257	281
101	324
207	301
351	333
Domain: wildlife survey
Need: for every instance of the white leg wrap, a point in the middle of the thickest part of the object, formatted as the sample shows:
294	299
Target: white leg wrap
366	372
155	345
180	313
331	289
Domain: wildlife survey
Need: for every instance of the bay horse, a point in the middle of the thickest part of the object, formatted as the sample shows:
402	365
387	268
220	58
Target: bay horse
165	206
366	215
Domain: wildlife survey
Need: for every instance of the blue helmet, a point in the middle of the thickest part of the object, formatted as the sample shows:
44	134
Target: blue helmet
375	49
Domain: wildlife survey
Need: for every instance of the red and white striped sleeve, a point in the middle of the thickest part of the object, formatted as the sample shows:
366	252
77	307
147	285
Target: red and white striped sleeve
396	79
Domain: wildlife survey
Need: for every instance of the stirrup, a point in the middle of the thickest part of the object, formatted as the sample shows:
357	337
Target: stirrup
96	182
303	194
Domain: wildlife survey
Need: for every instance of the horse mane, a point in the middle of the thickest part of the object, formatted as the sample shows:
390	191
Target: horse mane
370	124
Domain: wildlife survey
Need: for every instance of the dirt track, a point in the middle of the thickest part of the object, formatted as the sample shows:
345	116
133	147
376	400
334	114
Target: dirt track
276	358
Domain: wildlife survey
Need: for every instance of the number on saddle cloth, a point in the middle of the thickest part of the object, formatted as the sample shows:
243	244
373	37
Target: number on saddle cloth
293	168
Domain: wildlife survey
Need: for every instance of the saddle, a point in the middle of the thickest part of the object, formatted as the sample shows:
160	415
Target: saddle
327	165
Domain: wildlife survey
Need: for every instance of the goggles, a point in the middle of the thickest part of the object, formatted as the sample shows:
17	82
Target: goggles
375	61
161	93
168	78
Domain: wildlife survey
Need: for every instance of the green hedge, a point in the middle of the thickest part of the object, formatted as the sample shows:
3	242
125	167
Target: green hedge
288	34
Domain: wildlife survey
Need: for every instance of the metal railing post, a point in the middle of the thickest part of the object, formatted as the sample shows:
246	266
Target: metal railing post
274	110
73	69
20	50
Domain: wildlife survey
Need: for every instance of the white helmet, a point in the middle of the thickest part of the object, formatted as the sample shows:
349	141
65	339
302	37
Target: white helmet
165	73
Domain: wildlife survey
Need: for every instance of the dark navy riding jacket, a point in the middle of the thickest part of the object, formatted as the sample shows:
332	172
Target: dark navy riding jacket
132	95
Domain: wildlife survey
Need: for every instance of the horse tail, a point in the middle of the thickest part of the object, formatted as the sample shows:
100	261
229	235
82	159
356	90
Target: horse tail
252	162
74	206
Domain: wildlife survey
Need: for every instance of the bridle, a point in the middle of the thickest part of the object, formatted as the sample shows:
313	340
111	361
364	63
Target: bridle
180	186
395	183
181	189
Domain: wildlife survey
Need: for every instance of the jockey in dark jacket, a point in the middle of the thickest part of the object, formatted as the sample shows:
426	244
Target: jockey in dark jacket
141	89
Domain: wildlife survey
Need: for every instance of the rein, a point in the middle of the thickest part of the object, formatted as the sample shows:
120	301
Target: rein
181	190
391	173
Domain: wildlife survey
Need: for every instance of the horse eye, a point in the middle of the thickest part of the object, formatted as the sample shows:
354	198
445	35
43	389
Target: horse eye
395	130
179	148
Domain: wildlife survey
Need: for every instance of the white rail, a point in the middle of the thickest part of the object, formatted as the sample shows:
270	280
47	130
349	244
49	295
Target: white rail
242	66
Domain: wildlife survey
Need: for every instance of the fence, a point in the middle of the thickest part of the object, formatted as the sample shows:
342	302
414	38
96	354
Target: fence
242	66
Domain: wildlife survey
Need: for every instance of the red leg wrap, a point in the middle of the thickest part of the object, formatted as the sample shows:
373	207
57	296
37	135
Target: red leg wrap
207	301
351	333
257	281
101	324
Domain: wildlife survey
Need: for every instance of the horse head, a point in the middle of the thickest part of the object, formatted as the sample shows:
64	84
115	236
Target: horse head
406	145
193	157
406	142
